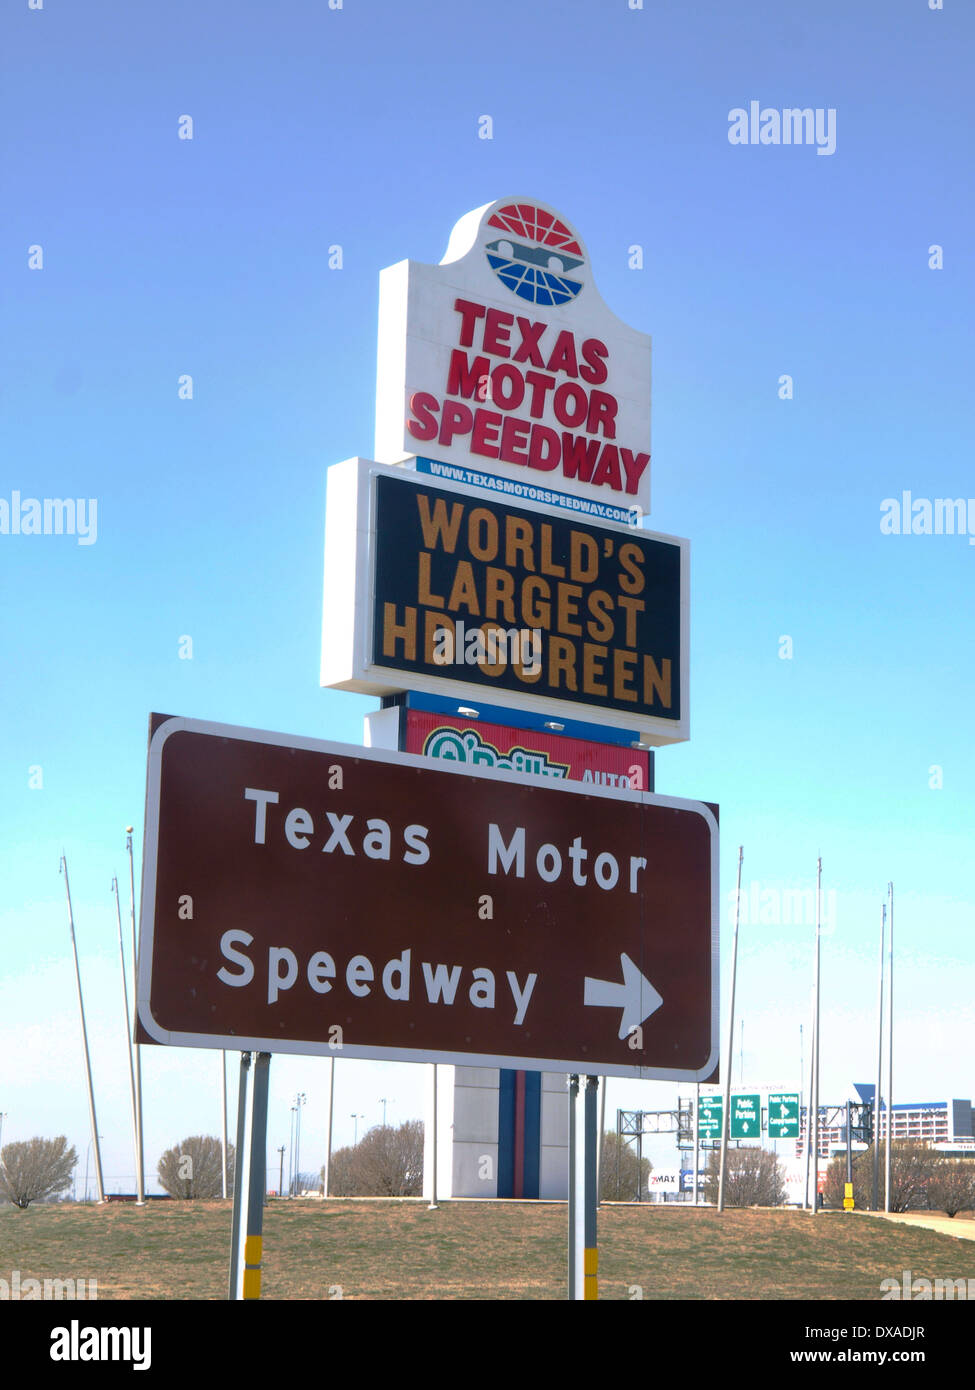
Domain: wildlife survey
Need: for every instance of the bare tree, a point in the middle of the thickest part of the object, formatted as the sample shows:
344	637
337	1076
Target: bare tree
952	1186
33	1170
753	1178
622	1176
341	1174
194	1168
386	1162
913	1169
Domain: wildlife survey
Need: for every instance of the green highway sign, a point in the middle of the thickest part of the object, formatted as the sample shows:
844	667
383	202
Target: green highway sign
709	1117
783	1116
746	1117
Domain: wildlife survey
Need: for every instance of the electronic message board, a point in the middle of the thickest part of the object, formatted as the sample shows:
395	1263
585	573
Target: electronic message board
461	594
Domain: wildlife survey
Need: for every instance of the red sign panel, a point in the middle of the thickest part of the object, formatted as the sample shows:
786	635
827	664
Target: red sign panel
308	897
477	744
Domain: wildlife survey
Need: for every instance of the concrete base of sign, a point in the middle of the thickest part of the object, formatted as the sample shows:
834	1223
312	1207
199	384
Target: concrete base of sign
475	1148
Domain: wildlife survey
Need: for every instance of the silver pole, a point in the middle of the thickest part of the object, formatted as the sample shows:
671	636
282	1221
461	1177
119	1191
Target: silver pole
697	1102
84	1038
241	1178
575	1283
250	1250
815	1081
590	1259
726	1106
880	1067
291	1154
328	1148
603	1080
433	1148
223	1088
890	1049
802	1067
812	1063
141	1169
128	1022
299	1102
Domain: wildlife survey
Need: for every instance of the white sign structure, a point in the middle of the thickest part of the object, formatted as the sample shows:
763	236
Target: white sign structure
504	360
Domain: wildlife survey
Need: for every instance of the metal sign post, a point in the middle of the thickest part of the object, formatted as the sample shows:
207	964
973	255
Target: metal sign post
253	1250
247	1239
591	1192
583	1188
240	1169
576	1275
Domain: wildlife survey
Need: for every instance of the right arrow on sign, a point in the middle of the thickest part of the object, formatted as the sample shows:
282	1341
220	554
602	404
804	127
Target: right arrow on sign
636	996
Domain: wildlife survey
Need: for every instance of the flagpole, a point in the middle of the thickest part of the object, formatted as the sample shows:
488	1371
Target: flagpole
84	1038
128	1022
140	1176
880	1067
726	1107
812	1065
815	1077
223	1088
890	1047
328	1141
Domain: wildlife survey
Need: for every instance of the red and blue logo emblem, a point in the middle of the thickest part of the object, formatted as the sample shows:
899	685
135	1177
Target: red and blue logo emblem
534	254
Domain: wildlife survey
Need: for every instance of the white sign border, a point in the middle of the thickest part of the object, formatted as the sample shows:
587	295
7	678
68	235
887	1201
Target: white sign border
178	724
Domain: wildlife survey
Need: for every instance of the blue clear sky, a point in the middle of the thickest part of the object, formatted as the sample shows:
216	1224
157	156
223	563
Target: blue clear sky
359	127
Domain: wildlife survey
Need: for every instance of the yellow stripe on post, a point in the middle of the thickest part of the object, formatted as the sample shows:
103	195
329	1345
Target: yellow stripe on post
253	1250
590	1269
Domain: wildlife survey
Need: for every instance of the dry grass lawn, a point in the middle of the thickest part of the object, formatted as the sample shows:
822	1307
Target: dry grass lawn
468	1250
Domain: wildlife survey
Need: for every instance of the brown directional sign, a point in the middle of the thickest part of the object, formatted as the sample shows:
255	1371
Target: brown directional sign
311	897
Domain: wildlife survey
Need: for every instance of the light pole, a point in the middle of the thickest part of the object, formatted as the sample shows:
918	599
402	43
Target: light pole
291	1153
726	1107
890	1047
382	1101
355	1131
281	1173
300	1100
128	1028
140	1176
328	1139
84	1038
87	1159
